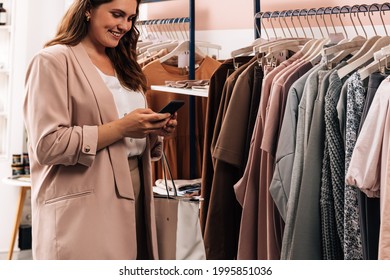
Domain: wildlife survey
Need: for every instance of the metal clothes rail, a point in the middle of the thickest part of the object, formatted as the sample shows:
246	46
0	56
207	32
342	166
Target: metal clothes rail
363	8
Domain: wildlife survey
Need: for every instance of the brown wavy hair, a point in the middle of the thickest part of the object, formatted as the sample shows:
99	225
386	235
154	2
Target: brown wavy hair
74	27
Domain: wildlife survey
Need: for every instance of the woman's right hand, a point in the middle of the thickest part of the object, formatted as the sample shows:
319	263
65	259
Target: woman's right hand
136	124
140	122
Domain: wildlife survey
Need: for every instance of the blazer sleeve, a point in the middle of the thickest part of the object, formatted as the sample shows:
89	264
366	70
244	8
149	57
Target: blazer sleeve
52	136
156	147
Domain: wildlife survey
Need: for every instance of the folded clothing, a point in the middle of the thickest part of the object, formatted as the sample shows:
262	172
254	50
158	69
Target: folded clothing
187	83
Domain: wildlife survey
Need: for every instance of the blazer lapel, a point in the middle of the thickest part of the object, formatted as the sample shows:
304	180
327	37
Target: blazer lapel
108	112
102	94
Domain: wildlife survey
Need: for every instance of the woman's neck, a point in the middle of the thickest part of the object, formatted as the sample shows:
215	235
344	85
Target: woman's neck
99	58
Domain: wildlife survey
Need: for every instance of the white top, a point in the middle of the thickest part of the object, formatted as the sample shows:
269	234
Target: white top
126	101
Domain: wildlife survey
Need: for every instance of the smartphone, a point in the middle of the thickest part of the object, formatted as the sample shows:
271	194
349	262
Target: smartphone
172	106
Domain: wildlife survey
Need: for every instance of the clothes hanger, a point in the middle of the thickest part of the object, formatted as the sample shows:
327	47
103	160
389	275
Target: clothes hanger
383	53
370	41
291	44
183	47
362	60
375	66
345	48
313	55
164	45
365	57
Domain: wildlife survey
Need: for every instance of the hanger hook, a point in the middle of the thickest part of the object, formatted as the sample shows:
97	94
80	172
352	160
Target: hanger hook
350	16
262	22
341	22
370	13
322	9
164	26
297	12
331	17
292	22
381	10
360	21
316	19
299	19
272	25
280	23
185	22
257	16
151	28
173	28
308	22
338	16
285	22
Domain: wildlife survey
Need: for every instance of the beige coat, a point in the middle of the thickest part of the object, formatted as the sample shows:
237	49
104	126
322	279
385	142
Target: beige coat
82	199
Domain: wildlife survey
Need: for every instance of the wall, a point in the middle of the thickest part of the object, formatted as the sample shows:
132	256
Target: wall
229	23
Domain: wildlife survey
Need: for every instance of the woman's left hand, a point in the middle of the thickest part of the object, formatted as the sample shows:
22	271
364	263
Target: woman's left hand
169	127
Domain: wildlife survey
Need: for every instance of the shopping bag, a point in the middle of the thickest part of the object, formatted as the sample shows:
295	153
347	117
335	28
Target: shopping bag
179	234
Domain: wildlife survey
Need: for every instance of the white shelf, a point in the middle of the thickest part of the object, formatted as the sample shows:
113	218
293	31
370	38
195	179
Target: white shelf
186	91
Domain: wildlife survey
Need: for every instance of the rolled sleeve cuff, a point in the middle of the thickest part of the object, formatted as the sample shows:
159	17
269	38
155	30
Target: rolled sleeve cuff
157	148
89	146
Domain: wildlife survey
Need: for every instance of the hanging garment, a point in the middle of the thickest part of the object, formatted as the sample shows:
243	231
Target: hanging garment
177	146
254	235
304	115
356	95
225	99
281	181
224	212
333	174
306	232
254	108
217	82
369	166
369	207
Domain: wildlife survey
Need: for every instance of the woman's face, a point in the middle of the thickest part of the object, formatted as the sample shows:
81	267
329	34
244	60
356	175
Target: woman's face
110	21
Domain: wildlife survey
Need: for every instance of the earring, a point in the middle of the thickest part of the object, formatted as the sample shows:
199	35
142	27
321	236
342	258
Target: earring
88	17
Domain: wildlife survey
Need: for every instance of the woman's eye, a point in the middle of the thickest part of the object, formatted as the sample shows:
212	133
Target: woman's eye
116	15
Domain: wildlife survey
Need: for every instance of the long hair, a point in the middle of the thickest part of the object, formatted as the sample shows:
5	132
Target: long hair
73	29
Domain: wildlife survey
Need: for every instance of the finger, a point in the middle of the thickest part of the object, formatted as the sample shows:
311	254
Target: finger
156	117
171	123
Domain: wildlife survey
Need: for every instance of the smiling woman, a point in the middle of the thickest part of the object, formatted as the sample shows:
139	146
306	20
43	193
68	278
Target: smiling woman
90	150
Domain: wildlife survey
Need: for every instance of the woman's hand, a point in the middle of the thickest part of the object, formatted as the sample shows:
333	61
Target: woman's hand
140	122
169	128
136	124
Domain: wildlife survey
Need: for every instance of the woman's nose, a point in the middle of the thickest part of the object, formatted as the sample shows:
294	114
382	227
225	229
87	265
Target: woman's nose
125	25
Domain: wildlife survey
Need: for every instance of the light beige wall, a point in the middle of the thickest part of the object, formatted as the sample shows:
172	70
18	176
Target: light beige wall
238	14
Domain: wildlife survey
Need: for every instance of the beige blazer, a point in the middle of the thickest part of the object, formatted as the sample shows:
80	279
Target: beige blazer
82	199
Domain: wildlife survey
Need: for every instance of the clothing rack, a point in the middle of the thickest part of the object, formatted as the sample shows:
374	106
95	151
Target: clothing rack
363	8
337	10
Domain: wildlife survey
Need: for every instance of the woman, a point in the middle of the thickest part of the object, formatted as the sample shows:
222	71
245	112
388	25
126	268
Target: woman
92	138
